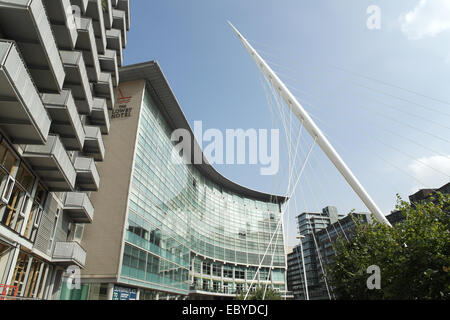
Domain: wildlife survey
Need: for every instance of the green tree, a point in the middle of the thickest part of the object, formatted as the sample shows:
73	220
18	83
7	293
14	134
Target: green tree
413	256
258	294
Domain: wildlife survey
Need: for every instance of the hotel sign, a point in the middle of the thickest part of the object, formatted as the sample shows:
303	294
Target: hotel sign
122	111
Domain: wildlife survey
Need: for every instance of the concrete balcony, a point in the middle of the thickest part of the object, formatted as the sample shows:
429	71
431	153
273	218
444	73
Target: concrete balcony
120	23
22	114
87	45
62	23
88	178
82	4
108	63
77	80
114	42
69	253
52	164
99	115
124	5
95	12
104	89
65	119
26	22
108	16
93	144
79	207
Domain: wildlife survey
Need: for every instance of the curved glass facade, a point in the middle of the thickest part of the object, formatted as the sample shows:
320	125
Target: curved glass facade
187	234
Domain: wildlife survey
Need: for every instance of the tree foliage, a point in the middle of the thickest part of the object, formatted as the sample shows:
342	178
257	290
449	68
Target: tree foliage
413	256
258	294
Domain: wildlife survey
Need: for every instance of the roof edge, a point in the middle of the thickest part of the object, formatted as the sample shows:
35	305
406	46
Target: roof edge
152	73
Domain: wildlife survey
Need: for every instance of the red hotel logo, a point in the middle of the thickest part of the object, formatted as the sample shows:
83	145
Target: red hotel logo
122	99
122	111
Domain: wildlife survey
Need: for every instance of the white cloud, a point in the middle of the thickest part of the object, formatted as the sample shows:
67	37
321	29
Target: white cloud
421	171
428	19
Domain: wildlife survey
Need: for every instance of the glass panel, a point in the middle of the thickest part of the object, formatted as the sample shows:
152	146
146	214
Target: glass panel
25	178
19	271
11	216
7	158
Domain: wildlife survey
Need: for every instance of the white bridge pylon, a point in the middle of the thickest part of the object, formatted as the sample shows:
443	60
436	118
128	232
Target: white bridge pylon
313	130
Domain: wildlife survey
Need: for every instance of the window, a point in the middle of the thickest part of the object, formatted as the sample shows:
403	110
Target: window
206	285
34	219
6	253
11	216
217	270
8	163
228	272
55	225
251	272
197	266
7	158
206	268
239	274
78	233
6	186
25	178
19	271
216	286
16	184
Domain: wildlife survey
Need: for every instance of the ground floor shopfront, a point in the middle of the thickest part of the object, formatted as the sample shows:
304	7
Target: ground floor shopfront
24	275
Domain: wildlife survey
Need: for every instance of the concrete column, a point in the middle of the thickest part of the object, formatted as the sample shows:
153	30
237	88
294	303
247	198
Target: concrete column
11	264
41	269
27	275
44	283
49	294
110	291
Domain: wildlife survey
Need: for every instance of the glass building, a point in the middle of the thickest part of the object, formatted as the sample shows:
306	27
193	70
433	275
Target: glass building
184	230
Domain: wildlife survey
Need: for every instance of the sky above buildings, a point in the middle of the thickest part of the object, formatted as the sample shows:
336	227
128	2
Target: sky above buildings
381	96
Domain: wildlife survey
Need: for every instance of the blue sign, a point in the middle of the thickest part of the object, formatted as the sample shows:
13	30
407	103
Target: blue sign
123	293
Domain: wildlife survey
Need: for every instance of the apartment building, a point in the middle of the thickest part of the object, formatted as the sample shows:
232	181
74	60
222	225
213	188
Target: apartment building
59	62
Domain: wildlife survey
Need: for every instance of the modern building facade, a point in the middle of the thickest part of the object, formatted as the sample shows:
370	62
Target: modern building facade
59	63
318	231
425	194
321	231
165	229
421	195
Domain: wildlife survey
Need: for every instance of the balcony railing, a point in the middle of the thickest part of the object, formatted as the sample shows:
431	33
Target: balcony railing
52	164
77	80
99	115
65	119
22	114
108	63
27	23
93	144
79	207
86	43
88	178
68	253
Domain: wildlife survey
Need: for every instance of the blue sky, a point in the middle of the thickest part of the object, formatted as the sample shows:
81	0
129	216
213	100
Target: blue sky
394	140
